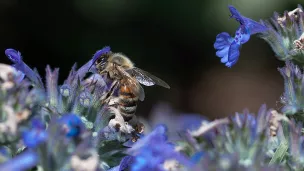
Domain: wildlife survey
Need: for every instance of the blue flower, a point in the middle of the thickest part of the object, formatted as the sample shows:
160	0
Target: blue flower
72	125
36	136
153	150
228	47
196	157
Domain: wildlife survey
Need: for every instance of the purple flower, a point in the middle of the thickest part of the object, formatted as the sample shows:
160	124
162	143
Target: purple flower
256	124
228	47
285	34
15	57
52	85
292	88
296	144
245	119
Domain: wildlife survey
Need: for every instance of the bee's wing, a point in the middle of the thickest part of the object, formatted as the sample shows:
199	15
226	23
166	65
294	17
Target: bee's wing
146	78
137	88
133	83
141	93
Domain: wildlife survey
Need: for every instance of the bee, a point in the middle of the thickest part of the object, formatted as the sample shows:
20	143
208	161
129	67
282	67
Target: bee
125	81
274	122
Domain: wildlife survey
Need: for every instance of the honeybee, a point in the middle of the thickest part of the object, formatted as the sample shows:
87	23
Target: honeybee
274	122
125	81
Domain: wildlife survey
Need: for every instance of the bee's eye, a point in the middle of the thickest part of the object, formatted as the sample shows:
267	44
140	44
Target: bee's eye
101	60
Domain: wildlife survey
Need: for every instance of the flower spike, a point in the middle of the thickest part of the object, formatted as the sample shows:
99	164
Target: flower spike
228	48
16	58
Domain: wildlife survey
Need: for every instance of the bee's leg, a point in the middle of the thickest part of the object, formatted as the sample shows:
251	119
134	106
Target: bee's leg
106	98
114	102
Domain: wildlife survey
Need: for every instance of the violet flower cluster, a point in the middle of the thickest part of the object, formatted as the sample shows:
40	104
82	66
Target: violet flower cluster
50	126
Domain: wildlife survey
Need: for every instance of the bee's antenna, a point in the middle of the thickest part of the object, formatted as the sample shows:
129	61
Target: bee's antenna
98	54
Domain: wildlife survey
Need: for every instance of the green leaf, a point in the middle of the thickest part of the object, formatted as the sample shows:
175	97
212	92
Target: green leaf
280	153
112	152
285	126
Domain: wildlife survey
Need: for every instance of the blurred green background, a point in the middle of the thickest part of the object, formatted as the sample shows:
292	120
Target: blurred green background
172	39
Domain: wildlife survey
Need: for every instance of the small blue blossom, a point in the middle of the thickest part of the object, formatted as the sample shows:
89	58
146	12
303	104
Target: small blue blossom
197	156
72	125
228	47
37	135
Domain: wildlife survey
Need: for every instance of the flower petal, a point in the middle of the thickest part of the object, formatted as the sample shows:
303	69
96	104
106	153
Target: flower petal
234	53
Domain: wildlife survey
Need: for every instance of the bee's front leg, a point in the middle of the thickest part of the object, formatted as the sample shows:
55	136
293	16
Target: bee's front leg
105	99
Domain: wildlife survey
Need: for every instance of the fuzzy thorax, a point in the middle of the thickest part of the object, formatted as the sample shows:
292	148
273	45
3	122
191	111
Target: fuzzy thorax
121	60
117	60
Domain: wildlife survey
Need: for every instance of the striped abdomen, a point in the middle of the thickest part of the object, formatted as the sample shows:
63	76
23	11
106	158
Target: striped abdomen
127	102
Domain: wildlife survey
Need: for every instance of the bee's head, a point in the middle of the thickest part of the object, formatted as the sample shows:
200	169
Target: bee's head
100	58
102	61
